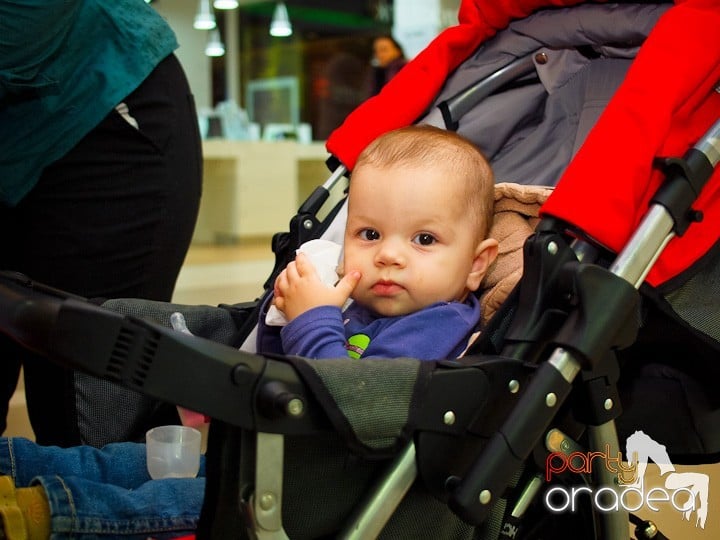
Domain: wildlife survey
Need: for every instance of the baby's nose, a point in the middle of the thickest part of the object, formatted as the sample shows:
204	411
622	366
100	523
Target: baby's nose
390	253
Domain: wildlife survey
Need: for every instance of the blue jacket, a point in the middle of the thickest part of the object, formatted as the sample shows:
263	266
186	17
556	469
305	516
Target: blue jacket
64	65
438	332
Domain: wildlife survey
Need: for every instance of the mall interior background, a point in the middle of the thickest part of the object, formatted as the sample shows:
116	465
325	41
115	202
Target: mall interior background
324	31
252	187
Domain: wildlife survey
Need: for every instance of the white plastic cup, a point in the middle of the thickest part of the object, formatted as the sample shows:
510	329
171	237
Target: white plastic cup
173	452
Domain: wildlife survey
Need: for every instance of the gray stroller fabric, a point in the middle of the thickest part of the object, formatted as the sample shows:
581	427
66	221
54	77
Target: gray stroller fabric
531	131
323	483
374	396
108	412
373	407
695	300
213	323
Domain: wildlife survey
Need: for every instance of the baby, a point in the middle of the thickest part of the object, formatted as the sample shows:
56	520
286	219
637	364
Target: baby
419	209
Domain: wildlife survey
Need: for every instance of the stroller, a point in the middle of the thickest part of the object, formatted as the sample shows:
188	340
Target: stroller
572	362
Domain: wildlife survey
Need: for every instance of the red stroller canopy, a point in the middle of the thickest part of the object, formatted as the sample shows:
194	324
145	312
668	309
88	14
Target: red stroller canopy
666	103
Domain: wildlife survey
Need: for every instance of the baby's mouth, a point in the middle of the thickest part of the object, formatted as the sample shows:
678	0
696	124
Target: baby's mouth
386	288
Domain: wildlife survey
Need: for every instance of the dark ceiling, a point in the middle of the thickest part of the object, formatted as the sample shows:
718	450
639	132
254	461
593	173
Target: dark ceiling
327	14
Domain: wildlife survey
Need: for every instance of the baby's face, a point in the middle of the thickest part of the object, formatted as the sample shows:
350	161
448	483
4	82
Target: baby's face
410	237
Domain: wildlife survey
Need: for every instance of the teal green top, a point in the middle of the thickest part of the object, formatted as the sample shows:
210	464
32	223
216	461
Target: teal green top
64	65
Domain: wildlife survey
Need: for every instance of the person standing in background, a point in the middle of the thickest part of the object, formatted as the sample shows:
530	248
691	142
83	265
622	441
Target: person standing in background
388	59
100	182
339	89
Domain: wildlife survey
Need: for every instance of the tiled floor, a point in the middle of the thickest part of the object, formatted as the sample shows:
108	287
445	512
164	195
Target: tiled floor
224	274
211	275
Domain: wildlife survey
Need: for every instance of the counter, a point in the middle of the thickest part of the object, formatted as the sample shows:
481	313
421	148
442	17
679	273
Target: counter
251	189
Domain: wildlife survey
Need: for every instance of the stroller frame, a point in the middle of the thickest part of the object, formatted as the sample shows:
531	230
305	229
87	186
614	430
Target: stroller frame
250	392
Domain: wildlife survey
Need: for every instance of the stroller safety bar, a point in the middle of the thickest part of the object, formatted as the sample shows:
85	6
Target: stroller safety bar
449	112
242	389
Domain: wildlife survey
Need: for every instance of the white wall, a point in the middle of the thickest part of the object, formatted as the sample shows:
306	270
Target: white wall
418	22
180	14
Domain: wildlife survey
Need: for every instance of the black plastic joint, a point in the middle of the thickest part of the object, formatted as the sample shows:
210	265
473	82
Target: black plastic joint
685	177
450	123
605	315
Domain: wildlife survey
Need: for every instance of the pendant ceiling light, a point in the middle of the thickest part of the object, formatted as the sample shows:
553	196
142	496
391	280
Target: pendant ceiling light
280	25
225	4
205	18
215	46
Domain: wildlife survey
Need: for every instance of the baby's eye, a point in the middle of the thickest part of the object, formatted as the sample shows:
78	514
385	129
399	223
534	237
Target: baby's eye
424	239
369	234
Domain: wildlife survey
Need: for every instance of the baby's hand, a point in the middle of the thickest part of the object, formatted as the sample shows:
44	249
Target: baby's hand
298	288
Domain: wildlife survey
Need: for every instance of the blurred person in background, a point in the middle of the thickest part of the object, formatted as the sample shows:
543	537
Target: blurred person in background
388	59
339	88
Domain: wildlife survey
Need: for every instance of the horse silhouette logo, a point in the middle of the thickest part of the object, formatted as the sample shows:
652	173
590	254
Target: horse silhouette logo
640	447
687	492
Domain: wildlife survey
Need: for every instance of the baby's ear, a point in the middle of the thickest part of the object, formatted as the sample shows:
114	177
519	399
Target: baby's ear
485	254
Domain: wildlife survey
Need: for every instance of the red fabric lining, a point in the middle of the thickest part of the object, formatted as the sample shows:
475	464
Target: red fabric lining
665	104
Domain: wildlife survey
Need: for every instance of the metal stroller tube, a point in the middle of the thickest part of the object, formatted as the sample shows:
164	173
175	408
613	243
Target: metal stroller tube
448	113
633	265
384	499
645	246
659	225
709	145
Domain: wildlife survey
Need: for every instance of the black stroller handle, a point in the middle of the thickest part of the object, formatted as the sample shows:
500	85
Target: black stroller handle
242	389
602	321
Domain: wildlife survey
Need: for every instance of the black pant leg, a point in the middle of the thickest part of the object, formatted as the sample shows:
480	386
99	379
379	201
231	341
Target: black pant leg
112	218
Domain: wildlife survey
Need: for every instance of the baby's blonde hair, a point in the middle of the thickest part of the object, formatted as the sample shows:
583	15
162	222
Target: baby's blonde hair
420	144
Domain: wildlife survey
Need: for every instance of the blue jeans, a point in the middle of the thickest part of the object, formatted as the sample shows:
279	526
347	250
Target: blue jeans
106	492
